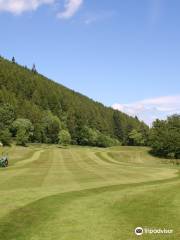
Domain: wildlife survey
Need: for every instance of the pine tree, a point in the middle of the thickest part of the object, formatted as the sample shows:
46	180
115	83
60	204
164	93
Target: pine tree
118	128
13	60
34	68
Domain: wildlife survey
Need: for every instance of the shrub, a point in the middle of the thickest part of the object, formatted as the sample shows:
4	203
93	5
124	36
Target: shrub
5	137
22	137
64	137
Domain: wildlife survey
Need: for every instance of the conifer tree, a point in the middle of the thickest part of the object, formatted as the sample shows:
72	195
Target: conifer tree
13	60
34	68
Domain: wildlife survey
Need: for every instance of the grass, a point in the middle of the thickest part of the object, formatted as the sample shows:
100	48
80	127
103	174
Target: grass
81	193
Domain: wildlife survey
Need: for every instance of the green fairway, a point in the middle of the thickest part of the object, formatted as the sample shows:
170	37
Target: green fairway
79	193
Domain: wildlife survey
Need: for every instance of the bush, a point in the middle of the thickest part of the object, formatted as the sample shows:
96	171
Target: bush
21	137
51	126
92	137
88	136
136	138
23	129
64	137
106	141
5	137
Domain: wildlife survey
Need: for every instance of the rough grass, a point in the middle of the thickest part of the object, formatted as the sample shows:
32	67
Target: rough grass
81	193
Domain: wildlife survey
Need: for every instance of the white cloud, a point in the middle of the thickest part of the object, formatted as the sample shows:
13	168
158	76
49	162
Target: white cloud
150	109
71	7
20	6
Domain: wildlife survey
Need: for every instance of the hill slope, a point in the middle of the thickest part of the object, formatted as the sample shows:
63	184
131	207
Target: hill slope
32	95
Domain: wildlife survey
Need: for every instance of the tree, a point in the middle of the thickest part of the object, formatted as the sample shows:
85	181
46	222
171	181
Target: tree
106	141
22	137
144	130
22	123
118	128
13	60
39	133
92	137
34	68
51	126
158	138
64	137
128	129
7	116
136	138
88	136
165	137
5	137
23	130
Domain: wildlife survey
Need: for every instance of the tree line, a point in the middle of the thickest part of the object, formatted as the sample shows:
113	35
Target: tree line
44	111
50	130
36	109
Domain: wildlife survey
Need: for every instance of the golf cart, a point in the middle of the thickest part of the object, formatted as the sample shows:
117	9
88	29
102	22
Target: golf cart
3	159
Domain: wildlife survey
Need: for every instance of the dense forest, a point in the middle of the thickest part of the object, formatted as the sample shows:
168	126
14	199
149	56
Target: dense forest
36	109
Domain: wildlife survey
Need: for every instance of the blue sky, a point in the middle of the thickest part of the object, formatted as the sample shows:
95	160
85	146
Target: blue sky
123	53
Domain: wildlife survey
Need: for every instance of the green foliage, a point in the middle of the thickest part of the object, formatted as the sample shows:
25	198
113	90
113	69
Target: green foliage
118	126
144	130
22	123
5	137
51	126
50	106
64	137
92	137
39	135
23	130
106	141
88	136
136	138
165	137
22	137
7	116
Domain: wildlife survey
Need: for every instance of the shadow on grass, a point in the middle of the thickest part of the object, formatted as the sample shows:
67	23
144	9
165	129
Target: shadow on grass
164	159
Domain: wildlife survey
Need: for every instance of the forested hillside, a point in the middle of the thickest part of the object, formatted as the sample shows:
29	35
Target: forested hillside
49	112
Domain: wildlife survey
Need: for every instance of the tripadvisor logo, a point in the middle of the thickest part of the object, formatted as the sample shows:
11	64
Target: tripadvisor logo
139	231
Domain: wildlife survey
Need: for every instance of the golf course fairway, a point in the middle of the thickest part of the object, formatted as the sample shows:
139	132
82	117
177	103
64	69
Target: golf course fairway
79	193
